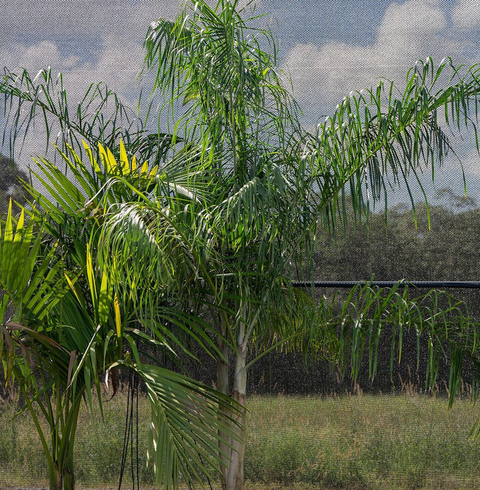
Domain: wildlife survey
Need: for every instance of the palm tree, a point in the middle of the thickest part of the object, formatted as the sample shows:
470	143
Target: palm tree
73	320
275	183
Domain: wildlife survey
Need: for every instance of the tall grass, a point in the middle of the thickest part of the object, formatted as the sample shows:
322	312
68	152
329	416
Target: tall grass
355	442
367	442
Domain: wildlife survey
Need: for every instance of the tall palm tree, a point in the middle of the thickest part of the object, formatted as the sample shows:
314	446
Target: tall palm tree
275	182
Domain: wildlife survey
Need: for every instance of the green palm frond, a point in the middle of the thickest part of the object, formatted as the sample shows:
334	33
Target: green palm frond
45	97
100	117
212	62
185	415
377	140
32	282
349	330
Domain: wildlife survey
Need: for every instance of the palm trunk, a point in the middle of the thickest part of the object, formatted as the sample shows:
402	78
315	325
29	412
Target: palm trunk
61	471
56	481
235	470
62	479
62	452
232	472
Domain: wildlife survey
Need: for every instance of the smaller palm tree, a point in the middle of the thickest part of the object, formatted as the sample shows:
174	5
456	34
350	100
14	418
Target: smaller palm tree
73	320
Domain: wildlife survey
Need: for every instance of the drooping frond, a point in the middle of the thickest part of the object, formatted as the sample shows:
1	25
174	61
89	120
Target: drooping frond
100	117
378	138
183	441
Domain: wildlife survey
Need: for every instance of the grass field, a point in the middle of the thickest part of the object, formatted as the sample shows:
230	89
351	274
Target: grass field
350	442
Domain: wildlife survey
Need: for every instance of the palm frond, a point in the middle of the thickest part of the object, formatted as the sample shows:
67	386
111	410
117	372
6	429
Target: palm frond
349	331
229	86
100	117
183	436
375	140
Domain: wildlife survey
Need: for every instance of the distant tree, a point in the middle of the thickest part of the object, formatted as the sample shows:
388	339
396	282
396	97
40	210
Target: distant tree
443	246
10	183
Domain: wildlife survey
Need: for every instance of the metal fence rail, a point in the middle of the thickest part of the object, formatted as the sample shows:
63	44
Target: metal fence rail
389	284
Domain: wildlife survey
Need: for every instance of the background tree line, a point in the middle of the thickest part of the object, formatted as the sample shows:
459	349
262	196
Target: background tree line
393	248
10	184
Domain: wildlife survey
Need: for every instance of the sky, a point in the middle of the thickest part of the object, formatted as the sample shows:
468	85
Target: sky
326	47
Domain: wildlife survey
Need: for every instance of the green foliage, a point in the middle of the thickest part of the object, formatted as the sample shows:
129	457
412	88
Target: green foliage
76	322
275	182
100	117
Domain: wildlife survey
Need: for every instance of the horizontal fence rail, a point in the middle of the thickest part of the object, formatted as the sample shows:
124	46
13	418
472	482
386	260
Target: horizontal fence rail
389	284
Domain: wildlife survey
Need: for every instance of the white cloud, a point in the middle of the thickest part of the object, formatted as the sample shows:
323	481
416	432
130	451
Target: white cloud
411	21
118	65
87	18
35	36
35	56
466	14
409	31
111	35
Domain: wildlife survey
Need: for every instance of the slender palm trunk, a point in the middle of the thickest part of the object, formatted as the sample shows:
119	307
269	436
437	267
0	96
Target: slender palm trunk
62	479
235	473
61	464
56	481
232	472
61	470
